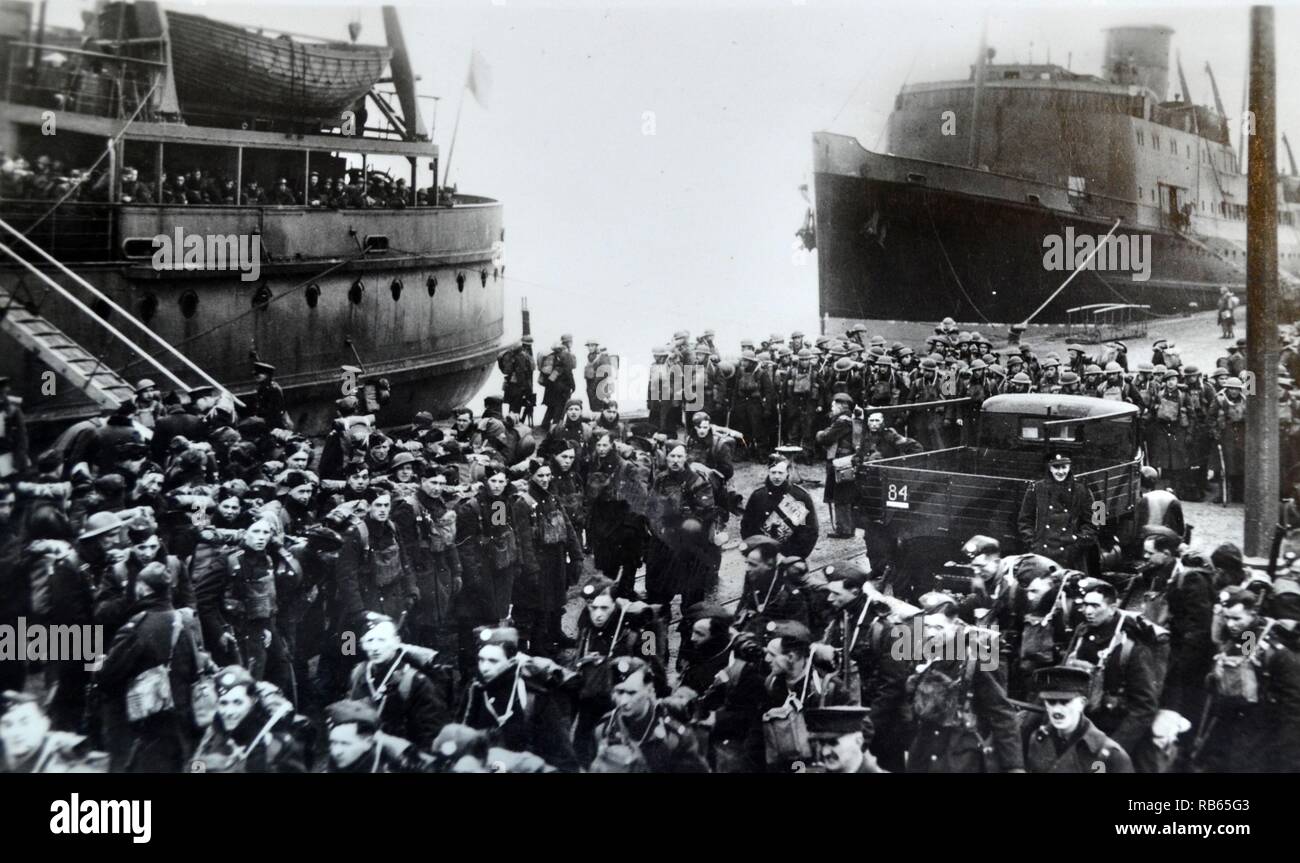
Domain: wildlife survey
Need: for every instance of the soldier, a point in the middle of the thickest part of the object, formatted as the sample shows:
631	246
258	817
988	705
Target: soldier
838	441
961	718
1231	446
1056	516
555	376
248	733
573	429
510	702
28	744
665	413
373	556
682	557
840	737
1204	432
239	600
1049	373
1167	444
1231	740
708	446
843	646
517	367
356	744
794	686
597	373
772	588
1067	741
753	396
411	696
539	594
640	734
783	511
1114	646
157	635
801	399
927	424
1227	306
616	495
270	398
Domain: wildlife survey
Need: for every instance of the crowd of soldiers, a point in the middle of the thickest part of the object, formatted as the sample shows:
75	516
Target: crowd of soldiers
395	600
49	179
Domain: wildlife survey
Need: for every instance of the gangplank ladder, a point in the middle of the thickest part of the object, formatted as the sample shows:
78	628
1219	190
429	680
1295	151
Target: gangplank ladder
61	354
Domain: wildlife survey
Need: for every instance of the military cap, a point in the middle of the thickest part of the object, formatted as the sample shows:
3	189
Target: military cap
140	528
626	666
1114	368
978	365
1091	369
905	352
264	368
353	712
1170	373
293	479
843	398
1219	371
155	575
805	354
963	338
12	698
1159	368
822	341
929	364
99	523
1160	530
371	619
855	328
709	611
1190	370
878	342
1232	383
935	601
788	630
1059	458
1241	343
996	369
144	384
758	541
832	723
502	636
850	573
1014	359
1077	348
948	322
843	364
981	544
1062	682
596	585
233	676
659	351
1022	378
455	741
573	401
1145	367
797	334
261	488
746	343
323	538
708	334
423	419
885	362
1050	361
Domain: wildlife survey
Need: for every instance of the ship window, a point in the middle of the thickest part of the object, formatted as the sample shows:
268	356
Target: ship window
376	243
1139	193
916	178
1141	142
1155	141
1188	148
1077	185
1173	147
189	304
1033	199
148	307
138	247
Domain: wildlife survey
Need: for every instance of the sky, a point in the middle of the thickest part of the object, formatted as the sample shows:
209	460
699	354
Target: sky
649	155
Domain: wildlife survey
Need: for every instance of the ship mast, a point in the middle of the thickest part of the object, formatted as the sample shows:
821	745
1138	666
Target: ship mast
1290	156
980	63
1218	104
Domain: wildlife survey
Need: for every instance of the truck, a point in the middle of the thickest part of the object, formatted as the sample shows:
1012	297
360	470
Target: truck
918	510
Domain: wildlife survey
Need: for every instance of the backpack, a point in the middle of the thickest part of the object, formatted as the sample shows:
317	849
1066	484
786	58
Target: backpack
1236	679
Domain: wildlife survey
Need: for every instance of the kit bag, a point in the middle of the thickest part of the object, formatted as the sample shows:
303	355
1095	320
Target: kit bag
150	692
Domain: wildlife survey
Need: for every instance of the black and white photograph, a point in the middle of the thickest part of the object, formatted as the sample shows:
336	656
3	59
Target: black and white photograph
873	388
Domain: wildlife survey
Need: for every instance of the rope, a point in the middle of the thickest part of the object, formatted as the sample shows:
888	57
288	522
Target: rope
89	171
948	261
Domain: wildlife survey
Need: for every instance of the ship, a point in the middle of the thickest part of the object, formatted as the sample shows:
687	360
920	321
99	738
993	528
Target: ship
399	302
984	180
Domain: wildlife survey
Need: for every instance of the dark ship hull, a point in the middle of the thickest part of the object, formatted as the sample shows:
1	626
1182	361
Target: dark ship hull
897	239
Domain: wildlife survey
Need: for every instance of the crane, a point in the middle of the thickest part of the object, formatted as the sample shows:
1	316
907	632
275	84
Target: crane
1218	103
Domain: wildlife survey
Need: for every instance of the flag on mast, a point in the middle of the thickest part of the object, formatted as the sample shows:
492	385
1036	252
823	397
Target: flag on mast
480	78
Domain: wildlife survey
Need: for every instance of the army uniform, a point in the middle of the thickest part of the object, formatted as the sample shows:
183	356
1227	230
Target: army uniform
1231	420
1167	445
517	367
1131	687
659	741
927	424
1056	520
13	433
838	441
753	396
1203	434
801	398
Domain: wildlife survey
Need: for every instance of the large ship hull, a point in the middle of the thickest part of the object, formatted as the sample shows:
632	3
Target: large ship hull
906	239
435	339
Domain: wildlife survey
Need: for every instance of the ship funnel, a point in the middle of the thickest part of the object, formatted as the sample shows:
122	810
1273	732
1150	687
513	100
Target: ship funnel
1139	55
403	79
